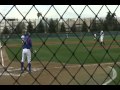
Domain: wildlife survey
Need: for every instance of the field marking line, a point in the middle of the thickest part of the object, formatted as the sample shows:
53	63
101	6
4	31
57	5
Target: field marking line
1	53
12	74
114	75
8	73
67	66
33	70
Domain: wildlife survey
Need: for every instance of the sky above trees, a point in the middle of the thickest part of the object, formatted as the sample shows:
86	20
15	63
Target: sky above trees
55	11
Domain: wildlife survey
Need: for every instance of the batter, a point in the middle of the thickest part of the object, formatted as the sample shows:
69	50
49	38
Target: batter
27	45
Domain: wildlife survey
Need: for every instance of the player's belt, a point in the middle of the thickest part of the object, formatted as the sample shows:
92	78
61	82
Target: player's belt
26	48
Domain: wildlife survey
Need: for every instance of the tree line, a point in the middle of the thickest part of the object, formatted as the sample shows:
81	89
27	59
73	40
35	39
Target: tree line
110	23
51	26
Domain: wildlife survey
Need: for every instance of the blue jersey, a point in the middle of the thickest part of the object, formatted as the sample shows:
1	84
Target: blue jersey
27	42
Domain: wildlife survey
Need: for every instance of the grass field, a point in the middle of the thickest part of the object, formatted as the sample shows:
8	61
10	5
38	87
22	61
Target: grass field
72	51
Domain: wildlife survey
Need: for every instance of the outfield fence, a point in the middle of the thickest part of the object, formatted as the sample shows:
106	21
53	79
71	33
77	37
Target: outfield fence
61	55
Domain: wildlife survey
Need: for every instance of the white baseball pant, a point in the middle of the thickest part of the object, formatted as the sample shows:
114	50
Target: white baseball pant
101	39
26	52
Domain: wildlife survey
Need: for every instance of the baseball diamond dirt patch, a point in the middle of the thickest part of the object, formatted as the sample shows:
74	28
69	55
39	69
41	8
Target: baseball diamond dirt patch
45	73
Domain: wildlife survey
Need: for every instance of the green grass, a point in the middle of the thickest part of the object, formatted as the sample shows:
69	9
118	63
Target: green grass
69	53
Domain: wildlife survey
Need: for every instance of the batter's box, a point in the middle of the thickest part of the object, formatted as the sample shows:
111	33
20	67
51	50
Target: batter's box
11	71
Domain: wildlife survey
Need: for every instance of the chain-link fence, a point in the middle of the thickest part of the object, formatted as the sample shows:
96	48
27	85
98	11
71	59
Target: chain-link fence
71	44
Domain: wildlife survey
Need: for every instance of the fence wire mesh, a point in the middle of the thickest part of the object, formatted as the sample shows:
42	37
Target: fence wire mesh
67	45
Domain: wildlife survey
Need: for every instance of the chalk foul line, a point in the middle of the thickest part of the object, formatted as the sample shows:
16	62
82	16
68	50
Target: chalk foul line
114	75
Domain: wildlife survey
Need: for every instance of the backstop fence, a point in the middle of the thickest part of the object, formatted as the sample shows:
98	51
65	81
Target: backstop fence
67	45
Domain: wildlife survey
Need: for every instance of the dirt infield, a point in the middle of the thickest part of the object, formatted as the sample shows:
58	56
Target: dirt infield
52	73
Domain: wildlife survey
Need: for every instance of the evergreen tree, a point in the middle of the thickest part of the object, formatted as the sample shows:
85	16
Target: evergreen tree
52	26
30	27
5	30
57	25
118	26
93	25
63	30
40	27
110	23
84	27
73	28
100	24
19	28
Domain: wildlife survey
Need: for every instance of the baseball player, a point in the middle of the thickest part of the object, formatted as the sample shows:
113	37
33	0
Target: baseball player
95	36
102	38
27	45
